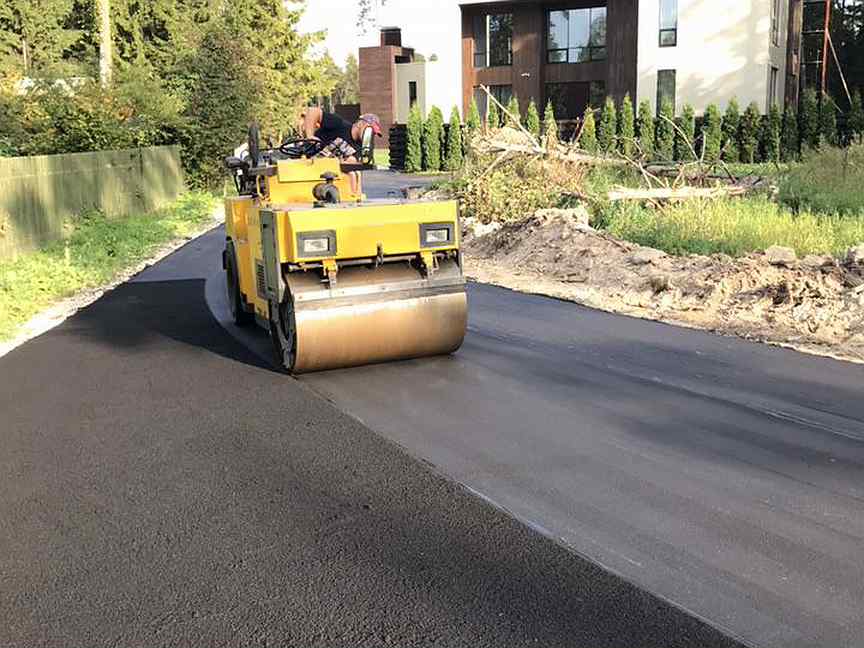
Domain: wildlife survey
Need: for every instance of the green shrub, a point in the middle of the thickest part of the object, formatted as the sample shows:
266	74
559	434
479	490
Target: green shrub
808	120
532	119
627	127
433	133
664	141
712	133
790	142
414	140
856	117
685	134
607	132
493	116
516	187
472	121
829	181
550	126
588	135
731	132
734	227
645	130
769	139
828	121
513	117
749	134
453	162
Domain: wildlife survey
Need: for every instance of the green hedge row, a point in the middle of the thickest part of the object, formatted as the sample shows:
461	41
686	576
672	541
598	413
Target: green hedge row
733	136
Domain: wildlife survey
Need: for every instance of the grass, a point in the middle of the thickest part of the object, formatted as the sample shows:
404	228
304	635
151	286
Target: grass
733	226
830	181
96	250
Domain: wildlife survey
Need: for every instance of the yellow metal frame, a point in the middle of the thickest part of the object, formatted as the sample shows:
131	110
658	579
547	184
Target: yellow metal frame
362	231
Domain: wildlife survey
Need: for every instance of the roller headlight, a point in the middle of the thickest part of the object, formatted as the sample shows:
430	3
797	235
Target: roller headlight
436	234
316	244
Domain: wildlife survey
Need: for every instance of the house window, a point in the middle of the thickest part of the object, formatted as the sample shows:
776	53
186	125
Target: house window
493	40
480	99
412	93
773	76
576	35
569	100
665	87
668	23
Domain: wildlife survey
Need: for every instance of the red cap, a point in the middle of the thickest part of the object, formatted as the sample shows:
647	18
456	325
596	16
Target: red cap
373	121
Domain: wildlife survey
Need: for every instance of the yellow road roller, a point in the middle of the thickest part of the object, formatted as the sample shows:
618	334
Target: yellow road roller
337	280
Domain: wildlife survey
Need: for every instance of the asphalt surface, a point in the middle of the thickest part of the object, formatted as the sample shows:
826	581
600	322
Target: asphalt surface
161	485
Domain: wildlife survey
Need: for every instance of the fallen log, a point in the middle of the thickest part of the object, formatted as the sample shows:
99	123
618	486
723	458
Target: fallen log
676	193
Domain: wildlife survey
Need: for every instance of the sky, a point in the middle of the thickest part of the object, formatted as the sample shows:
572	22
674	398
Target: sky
430	27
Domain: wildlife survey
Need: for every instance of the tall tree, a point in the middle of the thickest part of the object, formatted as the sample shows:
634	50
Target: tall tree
350	83
772	126
790	145
808	120
828	121
414	143
433	131
453	161
607	133
749	134
493	116
532	119
856	117
731	126
550	126
664	140
712	133
627	127
645	130
685	134
35	38
588	135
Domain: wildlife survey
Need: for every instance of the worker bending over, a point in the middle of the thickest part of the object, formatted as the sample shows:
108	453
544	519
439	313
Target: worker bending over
343	139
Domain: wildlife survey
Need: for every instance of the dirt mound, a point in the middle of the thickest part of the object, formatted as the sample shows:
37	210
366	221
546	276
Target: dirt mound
815	304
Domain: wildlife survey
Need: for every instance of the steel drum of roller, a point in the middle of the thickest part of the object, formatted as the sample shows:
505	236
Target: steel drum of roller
392	312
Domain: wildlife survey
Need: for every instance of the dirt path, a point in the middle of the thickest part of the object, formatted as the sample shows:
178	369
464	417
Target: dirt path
815	304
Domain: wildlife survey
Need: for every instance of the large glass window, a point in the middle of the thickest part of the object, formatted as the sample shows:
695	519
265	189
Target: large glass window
576	35
776	20
668	23
570	100
493	40
665	87
502	94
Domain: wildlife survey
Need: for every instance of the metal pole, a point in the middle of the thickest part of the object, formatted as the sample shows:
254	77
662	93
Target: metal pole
105	42
825	47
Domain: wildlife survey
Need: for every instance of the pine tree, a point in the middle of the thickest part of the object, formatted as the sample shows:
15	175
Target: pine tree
453	161
856	117
685	134
712	133
731	134
472	121
607	133
808	120
513	109
550	126
493	117
749	134
828	121
414	141
627	127
39	29
772	127
790	145
664	140
645	130
532	119
432	132
588	136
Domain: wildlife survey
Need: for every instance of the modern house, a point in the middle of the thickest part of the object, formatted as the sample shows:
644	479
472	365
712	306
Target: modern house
393	78
576	53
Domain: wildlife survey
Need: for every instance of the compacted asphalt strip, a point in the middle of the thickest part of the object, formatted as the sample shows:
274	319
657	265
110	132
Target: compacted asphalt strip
161	484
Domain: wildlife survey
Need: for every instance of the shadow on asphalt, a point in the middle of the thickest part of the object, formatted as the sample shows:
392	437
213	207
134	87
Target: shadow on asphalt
135	315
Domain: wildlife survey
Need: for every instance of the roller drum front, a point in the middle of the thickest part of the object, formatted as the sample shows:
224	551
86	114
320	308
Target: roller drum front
380	315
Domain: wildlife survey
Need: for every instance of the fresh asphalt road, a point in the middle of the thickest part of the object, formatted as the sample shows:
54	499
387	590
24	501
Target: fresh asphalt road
161	485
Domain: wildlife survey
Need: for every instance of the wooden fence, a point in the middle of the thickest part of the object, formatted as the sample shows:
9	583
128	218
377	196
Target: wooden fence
38	193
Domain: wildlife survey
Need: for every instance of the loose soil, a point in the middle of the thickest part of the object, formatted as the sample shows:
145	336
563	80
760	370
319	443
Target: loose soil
814	305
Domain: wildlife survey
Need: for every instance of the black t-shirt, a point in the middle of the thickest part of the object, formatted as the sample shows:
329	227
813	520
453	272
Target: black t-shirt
336	132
